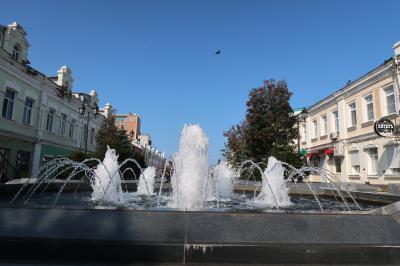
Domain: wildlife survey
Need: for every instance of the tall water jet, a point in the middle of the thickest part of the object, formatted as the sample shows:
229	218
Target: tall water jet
274	174
107	180
189	179
146	181
224	175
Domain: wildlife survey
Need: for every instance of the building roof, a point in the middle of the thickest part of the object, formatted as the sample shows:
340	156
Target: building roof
351	83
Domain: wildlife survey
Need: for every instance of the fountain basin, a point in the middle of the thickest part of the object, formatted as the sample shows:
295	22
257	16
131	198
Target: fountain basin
48	235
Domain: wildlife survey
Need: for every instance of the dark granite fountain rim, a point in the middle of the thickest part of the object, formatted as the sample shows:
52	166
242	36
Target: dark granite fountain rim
205	210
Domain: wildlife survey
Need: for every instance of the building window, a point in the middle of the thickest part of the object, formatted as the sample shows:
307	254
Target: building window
335	116
372	161
92	135
8	104
50	119
63	123
352	115
315	129
355	162
390	100
324	125
338	165
15	53
393	159
72	128
1	39
26	118
369	108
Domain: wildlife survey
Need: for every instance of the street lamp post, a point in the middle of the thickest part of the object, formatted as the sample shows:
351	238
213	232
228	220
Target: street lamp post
95	112
303	117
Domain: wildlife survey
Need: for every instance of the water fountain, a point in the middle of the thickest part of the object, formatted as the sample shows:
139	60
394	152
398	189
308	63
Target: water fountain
276	193
146	182
107	186
194	185
190	175
224	176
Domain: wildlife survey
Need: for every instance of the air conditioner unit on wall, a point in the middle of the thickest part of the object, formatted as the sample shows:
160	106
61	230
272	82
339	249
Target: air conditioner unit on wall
334	135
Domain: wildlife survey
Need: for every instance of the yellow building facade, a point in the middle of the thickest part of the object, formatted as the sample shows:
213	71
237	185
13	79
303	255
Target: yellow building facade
339	132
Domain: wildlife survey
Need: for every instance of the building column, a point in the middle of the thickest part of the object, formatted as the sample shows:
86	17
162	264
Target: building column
344	174
36	159
342	118
342	137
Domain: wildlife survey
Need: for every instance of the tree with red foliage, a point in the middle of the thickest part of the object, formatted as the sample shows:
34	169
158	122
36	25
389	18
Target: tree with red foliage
268	128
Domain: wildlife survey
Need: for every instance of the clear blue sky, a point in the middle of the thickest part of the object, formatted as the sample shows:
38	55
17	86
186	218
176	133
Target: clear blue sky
156	58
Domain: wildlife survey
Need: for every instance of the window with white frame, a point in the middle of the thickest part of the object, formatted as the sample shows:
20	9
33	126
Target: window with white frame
315	128
26	118
63	123
8	104
50	119
372	156
368	108
324	125
352	115
393	160
355	162
389	100
335	116
72	128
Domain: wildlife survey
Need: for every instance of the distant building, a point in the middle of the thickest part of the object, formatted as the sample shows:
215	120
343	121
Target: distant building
130	122
144	140
152	156
339	132
40	115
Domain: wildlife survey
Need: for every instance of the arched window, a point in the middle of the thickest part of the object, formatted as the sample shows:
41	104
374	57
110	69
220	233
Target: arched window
15	52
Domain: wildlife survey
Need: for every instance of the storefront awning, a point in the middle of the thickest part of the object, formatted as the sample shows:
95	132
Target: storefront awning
329	151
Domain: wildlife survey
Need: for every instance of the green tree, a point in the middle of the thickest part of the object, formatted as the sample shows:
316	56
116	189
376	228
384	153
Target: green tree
267	130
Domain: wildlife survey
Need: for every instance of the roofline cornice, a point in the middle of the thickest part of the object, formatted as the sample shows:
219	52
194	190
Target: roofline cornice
361	83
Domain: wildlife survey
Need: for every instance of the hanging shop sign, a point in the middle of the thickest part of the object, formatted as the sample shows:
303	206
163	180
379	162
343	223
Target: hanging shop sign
384	127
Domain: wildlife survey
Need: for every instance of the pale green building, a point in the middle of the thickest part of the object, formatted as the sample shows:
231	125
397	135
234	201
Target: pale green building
41	117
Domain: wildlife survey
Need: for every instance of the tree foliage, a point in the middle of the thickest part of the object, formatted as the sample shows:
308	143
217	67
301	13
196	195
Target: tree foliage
267	130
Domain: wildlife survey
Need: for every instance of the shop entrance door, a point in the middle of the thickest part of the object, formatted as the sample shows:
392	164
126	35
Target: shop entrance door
22	165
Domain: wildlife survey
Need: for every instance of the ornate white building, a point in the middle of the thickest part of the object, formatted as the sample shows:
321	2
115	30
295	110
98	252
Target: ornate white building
42	118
